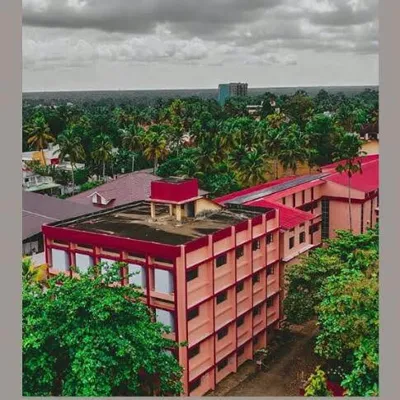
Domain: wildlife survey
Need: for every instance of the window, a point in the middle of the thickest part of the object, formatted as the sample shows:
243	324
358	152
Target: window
239	252
291	230
136	255
192	274
303	196
222	333
137	275
221	260
83	262
239	287
163	281
240	321
271	270
270	238
270	302
302	237
302	224
222	297
240	351
166	318
194	351
60	260
256	311
194	384
325	219
255	340
193	313
256	245
284	200
312	193
291	242
222	364
256	278
314	228
294	199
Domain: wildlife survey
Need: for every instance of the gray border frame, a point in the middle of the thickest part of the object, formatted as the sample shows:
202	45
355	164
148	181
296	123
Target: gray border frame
10	199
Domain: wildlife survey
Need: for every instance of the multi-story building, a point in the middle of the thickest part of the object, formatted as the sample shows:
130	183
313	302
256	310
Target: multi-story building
220	262
223	259
227	90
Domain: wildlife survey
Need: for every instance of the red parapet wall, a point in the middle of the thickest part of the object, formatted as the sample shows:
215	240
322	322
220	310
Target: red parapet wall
174	191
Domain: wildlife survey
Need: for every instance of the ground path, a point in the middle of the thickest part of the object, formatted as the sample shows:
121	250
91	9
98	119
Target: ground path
285	374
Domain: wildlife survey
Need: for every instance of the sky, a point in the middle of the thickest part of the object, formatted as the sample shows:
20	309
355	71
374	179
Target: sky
184	44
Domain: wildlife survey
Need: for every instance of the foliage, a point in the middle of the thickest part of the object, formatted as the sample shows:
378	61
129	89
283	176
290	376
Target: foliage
292	129
317	385
82	337
339	284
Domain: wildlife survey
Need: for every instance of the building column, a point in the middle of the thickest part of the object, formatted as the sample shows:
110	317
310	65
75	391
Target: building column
178	212
171	210
153	210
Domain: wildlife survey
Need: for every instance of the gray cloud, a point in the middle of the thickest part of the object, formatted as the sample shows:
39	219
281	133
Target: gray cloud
76	34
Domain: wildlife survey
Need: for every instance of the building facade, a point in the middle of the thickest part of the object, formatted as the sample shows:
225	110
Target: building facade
227	90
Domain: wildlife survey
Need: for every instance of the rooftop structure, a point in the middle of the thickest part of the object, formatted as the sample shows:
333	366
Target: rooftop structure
128	188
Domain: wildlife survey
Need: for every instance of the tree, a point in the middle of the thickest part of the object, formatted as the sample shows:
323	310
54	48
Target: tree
39	135
70	146
155	144
253	168
348	153
103	151
317	385
339	284
85	338
293	150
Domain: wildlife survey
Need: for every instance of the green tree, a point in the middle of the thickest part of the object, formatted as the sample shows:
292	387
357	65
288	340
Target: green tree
70	147
39	135
253	168
317	385
155	145
103	151
84	338
348	152
293	149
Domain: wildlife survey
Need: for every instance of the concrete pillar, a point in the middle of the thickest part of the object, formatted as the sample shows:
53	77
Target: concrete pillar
153	210
178	212
171	210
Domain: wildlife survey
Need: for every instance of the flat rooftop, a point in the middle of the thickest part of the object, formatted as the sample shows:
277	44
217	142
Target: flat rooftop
133	221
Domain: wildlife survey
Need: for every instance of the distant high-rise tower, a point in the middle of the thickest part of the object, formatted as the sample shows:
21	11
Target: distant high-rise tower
227	90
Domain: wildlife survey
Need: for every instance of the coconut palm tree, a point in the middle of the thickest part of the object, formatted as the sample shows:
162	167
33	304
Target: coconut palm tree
293	149
348	155
103	151
39	135
155	146
253	168
272	140
70	146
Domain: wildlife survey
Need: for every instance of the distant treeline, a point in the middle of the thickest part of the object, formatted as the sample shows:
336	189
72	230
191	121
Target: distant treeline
150	97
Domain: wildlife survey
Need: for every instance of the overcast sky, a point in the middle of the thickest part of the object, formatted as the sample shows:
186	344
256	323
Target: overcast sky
168	44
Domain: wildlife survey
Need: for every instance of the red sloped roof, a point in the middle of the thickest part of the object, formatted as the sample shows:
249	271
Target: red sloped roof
125	189
367	181
364	160
230	196
288	217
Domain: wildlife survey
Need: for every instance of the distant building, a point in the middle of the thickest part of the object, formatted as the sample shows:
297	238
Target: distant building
227	90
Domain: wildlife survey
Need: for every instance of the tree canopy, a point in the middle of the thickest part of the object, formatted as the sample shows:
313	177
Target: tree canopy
84	337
